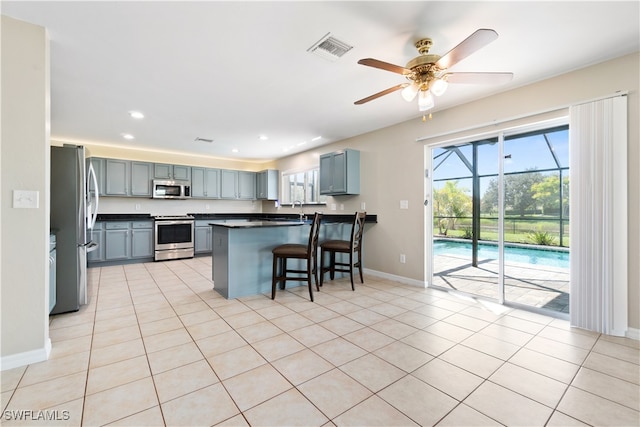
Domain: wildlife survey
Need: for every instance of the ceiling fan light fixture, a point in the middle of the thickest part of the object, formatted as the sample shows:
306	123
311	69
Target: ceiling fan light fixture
439	87
425	100
410	92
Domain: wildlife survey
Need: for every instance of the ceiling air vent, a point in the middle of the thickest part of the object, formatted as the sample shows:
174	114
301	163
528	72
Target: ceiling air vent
329	47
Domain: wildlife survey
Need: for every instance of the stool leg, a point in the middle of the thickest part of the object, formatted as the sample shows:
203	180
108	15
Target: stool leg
332	265
283	282
360	267
353	288
322	270
273	277
309	274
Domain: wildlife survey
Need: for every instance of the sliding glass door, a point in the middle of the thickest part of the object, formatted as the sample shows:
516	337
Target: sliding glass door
500	218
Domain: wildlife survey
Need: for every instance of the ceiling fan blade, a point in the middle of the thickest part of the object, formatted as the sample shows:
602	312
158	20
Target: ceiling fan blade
379	94
478	78
370	62
475	41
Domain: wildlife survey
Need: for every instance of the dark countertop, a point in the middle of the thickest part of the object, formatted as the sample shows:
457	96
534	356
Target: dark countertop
124	217
271	217
279	216
232	223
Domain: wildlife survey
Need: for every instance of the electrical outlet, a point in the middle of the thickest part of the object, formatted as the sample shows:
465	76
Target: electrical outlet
404	204
363	206
333	206
137	206
341	206
207	206
403	259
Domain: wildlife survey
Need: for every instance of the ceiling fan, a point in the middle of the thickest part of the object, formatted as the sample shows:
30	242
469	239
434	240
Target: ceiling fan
427	73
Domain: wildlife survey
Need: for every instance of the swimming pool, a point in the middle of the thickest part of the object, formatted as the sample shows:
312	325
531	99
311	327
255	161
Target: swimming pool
551	258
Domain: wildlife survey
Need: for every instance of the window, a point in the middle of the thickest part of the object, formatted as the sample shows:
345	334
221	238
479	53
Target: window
302	186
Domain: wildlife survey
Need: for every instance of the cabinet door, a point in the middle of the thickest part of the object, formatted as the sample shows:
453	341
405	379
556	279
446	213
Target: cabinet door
161	171
98	253
267	184
212	183
339	167
182	172
116	244
197	182
141	243
202	239
117	177
98	167
246	185
326	173
141	179
229	184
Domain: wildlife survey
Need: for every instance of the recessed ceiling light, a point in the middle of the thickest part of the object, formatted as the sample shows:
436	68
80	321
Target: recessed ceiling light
263	137
316	138
235	150
128	136
136	114
302	143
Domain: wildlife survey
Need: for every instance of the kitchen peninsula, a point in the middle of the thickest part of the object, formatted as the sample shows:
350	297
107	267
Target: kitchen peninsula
242	259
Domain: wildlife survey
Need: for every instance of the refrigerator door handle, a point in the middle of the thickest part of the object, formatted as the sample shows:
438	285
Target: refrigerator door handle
94	214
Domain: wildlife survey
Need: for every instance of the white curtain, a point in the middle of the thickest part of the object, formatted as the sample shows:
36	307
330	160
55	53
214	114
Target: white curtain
598	200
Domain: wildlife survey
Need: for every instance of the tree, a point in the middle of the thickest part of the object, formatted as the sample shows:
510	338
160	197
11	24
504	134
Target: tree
489	202
547	192
518	192
450	203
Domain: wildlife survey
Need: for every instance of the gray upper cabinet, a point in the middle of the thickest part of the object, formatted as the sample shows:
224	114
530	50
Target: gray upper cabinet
246	185
205	183
165	171
117	177
141	179
127	178
267	184
340	173
98	167
239	185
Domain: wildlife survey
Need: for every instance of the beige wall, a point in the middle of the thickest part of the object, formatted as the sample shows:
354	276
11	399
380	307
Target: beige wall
25	166
392	163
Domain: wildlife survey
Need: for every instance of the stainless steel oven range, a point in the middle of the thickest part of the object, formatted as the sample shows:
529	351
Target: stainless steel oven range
173	237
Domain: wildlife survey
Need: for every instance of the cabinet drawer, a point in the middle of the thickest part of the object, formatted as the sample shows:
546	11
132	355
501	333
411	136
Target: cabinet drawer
117	225
142	224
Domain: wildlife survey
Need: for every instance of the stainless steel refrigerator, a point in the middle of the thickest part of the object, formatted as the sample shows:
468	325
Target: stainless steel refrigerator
73	211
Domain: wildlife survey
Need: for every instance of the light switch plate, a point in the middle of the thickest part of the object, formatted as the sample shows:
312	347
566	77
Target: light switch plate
26	199
404	204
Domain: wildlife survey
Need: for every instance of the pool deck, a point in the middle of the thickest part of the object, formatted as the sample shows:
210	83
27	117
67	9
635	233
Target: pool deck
529	284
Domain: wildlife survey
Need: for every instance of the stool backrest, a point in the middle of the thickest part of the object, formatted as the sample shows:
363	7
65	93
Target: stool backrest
357	230
314	233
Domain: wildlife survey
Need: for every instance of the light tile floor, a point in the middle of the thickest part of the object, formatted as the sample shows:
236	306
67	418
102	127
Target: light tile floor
158	346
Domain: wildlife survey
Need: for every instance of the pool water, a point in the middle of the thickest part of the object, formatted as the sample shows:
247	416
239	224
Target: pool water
551	258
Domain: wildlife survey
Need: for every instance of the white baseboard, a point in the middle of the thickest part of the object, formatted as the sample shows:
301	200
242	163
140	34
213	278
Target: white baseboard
633	333
26	358
401	279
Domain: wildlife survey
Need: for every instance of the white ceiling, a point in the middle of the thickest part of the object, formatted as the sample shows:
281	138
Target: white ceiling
232	71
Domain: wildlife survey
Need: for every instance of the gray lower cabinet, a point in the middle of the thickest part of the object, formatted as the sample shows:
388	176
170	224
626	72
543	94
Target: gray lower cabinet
202	238
97	236
121	241
205	183
117	245
141	239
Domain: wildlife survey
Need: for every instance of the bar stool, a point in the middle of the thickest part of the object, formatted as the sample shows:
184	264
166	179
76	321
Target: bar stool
353	247
306	252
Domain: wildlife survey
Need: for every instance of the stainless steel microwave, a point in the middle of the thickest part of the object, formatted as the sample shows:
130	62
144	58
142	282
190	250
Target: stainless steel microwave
171	189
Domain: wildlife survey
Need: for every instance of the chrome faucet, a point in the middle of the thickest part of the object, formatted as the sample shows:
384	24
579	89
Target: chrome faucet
293	205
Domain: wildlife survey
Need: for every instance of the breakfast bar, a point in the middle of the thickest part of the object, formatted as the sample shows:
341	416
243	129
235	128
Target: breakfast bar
242	258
